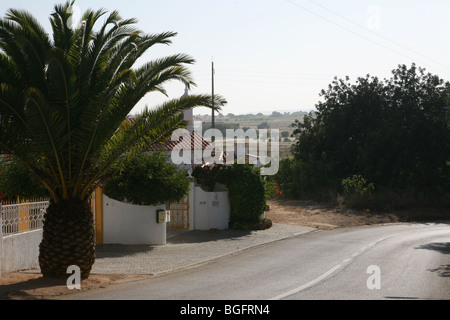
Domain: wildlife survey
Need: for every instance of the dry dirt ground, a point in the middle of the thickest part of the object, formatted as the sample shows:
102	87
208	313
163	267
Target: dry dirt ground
323	217
31	285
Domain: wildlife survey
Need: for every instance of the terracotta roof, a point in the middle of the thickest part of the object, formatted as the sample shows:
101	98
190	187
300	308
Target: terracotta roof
187	142
193	142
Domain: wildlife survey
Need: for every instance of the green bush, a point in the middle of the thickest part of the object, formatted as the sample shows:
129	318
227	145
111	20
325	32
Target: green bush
17	181
358	193
148	180
246	192
302	180
208	176
357	185
272	189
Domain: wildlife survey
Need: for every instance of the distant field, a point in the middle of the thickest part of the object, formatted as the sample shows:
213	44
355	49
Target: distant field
285	149
282	122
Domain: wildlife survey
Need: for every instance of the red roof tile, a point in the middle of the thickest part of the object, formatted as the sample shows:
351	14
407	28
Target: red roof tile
193	142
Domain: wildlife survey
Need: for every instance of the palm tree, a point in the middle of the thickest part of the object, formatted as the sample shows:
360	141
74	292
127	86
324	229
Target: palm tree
63	105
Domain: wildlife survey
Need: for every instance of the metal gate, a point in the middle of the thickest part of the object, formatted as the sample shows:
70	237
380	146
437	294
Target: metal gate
179	215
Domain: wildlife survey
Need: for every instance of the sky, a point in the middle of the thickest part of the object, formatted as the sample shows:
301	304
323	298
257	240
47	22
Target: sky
277	55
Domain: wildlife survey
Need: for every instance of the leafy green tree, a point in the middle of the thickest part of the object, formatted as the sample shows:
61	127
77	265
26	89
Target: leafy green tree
393	132
357	185
149	179
64	101
264	125
16	181
276	114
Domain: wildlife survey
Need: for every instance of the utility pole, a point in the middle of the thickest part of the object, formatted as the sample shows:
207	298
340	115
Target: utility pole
213	119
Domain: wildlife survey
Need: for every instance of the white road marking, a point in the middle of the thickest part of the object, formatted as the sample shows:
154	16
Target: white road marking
331	271
309	284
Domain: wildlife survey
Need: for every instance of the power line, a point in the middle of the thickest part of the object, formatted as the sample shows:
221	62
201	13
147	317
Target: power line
267	74
347	29
377	34
280	80
277	74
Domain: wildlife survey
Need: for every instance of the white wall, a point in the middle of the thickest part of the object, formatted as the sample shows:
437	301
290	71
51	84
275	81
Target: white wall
212	210
129	224
192	206
20	251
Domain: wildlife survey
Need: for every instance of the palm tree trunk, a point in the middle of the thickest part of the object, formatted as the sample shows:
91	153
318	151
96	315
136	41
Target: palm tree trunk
68	239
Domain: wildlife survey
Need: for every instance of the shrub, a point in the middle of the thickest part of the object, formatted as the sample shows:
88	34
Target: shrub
272	189
358	192
247	195
357	185
148	179
17	181
246	192
302	180
208	176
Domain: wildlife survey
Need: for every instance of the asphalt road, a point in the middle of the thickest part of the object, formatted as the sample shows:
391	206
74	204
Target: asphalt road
401	261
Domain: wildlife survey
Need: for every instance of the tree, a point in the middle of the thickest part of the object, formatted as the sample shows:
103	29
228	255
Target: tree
149	179
392	132
276	114
264	125
15	181
64	102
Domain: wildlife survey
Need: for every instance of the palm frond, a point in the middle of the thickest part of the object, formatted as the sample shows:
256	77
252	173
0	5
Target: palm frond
148	130
62	33
27	50
63	100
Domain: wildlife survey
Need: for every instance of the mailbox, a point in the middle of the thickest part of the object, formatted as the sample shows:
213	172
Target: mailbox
160	216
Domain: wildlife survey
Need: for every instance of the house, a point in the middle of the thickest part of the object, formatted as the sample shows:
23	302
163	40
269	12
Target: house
193	143
122	223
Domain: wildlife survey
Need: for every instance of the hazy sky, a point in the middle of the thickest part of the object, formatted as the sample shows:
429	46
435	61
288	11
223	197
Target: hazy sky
279	54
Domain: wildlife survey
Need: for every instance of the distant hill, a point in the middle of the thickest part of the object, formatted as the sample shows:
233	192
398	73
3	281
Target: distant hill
276	120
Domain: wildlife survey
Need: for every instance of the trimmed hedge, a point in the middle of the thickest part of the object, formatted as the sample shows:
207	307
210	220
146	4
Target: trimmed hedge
246	192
